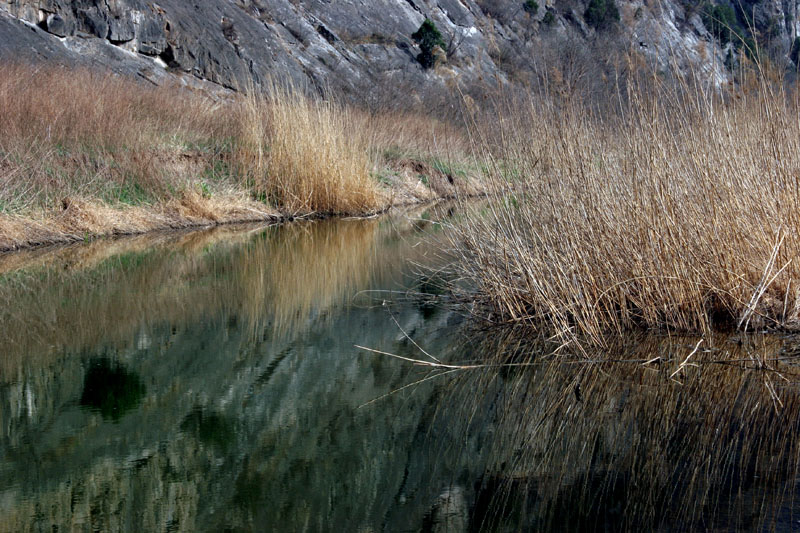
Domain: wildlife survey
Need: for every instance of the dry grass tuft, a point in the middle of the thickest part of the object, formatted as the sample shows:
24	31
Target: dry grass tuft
679	214
160	157
305	156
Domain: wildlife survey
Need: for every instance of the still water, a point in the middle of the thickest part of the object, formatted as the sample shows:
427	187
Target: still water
210	381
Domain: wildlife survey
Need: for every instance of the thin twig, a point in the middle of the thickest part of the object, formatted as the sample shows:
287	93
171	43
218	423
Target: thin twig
686	361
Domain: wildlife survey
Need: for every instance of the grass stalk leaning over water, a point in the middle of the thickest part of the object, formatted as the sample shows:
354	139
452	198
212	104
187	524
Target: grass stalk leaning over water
680	213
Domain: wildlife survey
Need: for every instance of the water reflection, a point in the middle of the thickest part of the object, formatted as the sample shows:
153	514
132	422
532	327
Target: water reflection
209	382
111	389
274	278
627	446
209	428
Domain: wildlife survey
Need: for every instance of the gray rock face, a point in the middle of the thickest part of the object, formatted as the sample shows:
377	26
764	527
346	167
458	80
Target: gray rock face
58	26
362	45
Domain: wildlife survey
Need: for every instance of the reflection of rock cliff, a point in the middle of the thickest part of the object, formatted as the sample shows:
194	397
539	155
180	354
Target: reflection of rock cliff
195	420
231	432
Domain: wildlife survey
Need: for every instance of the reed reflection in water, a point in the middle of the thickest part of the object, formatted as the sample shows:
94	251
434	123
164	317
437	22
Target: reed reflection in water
206	381
627	446
274	278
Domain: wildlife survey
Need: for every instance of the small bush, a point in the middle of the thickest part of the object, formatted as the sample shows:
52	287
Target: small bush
427	37
549	18
726	25
721	22
531	7
601	14
795	52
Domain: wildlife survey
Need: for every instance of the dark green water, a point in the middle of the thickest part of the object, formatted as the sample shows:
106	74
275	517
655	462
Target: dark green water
210	382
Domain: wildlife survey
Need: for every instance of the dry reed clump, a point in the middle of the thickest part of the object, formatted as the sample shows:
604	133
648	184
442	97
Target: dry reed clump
137	158
680	214
306	156
118	141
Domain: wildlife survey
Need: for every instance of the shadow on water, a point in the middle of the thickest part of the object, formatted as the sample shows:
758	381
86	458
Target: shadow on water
209	428
110	389
231	398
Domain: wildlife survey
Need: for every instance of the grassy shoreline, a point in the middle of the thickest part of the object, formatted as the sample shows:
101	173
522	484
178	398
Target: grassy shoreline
677	213
676	210
125	158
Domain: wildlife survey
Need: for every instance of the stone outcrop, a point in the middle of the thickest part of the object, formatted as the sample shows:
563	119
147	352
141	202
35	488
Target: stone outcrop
360	45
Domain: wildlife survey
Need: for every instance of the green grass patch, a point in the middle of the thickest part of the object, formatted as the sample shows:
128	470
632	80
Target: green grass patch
128	193
456	170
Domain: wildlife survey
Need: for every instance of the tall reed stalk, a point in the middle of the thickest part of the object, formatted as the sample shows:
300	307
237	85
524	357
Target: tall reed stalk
680	213
306	156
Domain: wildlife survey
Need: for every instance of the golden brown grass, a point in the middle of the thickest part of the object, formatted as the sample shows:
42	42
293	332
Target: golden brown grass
681	214
118	141
421	157
305	156
131	158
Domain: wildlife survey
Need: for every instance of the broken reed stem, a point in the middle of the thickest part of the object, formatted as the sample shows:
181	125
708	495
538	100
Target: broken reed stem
685	362
763	284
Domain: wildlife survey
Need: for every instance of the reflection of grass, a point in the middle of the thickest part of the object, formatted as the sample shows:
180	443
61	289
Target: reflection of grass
623	444
104	292
307	267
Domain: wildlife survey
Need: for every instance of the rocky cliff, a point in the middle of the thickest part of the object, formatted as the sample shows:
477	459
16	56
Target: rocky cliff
362	45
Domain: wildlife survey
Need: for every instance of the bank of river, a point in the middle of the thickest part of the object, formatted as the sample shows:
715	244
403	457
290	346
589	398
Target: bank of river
209	381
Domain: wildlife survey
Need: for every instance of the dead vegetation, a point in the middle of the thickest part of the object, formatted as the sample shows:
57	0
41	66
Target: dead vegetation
306	156
122	157
679	212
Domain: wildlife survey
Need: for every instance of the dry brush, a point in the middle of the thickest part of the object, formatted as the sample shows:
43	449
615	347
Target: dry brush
678	213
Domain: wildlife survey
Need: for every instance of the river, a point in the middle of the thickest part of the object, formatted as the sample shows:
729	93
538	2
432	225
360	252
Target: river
212	381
